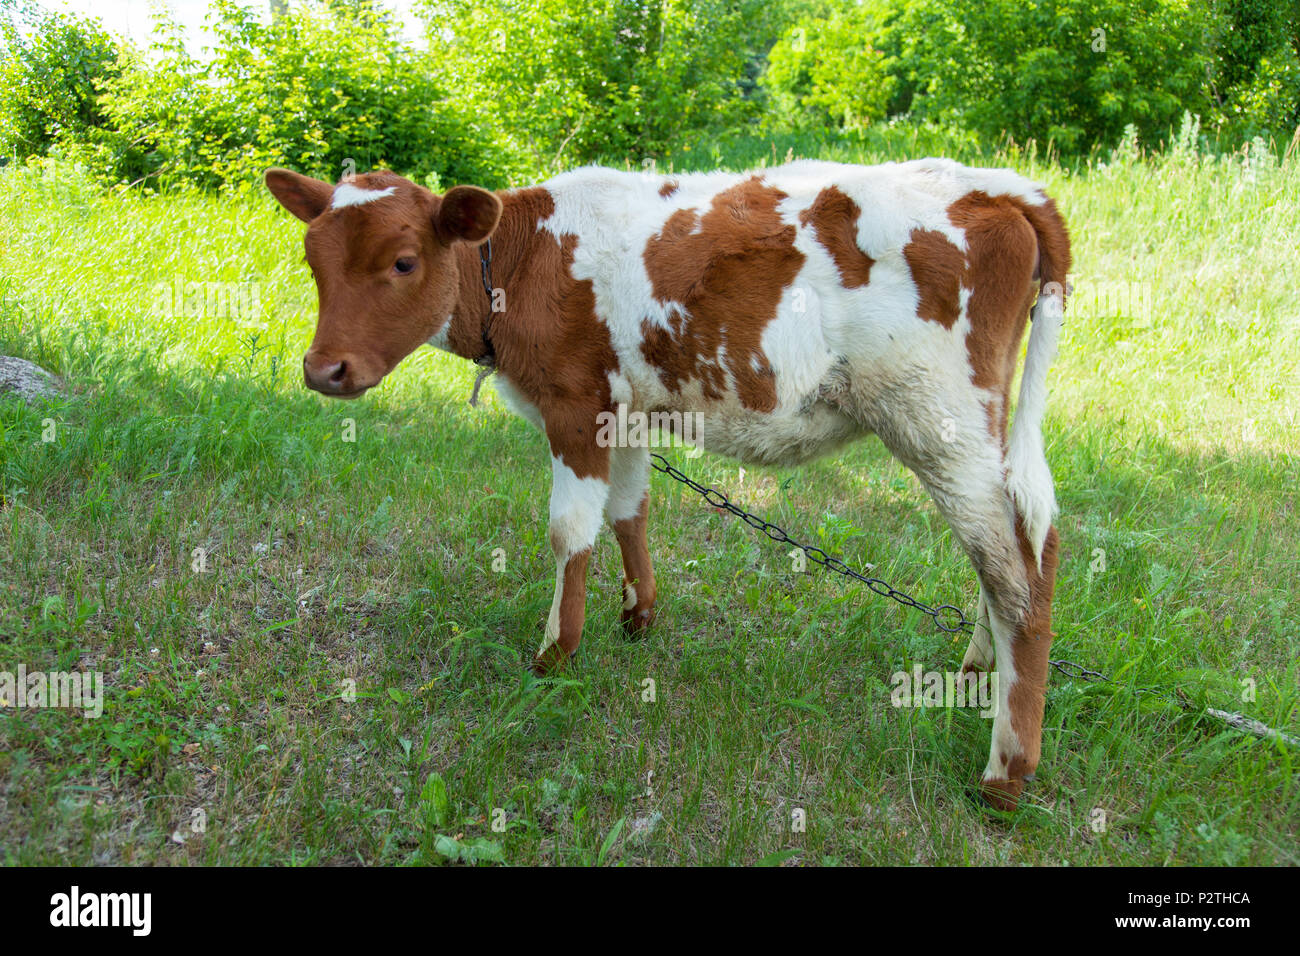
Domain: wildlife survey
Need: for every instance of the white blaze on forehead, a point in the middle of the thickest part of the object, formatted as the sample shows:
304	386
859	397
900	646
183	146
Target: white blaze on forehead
349	195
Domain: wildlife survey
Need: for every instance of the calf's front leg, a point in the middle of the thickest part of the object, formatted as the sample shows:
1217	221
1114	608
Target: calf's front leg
579	490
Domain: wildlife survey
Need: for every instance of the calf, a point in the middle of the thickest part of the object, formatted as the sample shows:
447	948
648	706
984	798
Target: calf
794	309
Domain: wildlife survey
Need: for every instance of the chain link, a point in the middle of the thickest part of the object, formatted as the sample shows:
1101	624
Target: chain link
488	360
946	617
485	268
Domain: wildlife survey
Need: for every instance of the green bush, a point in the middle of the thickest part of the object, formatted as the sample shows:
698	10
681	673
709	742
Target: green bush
829	71
50	79
1073	72
573	80
1255	73
325	89
511	90
1270	104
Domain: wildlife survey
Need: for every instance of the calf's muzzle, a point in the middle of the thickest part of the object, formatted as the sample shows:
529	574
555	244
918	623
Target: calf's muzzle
331	375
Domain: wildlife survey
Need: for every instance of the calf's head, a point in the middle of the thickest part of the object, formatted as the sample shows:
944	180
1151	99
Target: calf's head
383	253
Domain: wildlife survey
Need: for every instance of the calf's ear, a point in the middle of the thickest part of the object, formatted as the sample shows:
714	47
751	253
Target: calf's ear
303	196
467	213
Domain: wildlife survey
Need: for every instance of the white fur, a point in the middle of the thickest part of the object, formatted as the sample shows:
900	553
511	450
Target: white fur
515	401
1029	479
1005	744
874	328
979	652
552	633
439	339
629	479
576	507
345	194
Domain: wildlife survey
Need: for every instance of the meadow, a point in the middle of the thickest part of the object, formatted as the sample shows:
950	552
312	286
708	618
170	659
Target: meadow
337	674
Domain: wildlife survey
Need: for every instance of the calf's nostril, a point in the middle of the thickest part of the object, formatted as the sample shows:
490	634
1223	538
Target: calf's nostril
338	372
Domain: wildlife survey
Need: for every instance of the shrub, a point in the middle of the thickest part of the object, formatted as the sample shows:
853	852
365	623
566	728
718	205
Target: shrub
572	80
325	89
828	71
50	79
1255	75
1074	72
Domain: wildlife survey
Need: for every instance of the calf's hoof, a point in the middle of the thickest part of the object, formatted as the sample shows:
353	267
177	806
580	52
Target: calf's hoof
635	622
1001	795
552	660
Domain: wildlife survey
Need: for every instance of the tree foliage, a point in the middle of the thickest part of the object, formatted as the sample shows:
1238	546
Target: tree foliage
830	70
325	88
50	78
572	80
510	90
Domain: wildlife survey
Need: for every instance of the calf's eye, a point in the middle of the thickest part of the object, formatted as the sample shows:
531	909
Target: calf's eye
404	265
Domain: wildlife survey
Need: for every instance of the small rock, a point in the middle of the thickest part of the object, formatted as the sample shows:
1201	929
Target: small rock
642	826
27	380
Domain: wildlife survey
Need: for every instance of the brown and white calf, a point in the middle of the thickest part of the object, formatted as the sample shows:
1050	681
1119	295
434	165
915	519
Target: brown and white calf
794	308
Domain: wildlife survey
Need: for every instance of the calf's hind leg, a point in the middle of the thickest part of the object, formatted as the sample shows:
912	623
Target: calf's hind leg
967	486
979	652
1022	663
1017	610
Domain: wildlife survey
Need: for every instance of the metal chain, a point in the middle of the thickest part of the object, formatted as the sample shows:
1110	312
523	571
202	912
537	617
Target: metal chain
488	360
946	617
485	268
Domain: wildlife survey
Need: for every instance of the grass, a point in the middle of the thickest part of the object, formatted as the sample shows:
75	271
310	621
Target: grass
344	683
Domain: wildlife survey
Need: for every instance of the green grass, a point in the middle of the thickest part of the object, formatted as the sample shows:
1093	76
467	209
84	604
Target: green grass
1173	436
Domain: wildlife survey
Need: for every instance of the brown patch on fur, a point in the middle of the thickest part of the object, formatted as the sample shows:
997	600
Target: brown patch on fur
559	356
995	419
834	217
1010	244
573	603
668	188
549	342
727	269
1053	240
522	210
637	569
1001	252
938	269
